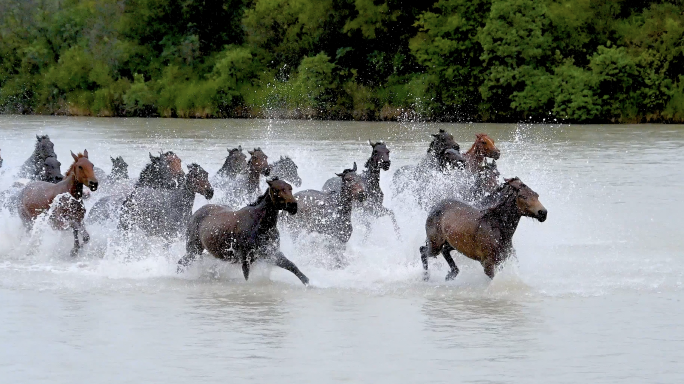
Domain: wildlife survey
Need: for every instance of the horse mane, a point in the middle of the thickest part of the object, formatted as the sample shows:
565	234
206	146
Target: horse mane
71	167
260	198
505	191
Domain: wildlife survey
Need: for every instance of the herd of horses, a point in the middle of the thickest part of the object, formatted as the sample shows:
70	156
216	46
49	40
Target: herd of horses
478	221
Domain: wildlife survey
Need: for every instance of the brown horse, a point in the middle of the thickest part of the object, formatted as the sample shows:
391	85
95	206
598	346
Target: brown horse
483	235
38	196
482	148
246	235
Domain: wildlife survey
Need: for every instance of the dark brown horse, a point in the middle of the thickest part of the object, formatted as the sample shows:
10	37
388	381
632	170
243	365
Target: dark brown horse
235	164
483	235
163	171
482	148
243	236
38	197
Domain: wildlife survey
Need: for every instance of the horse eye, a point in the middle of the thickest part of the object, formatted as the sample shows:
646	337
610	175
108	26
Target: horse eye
523	197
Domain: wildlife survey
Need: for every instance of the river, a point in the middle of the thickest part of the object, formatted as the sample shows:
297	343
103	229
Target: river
594	294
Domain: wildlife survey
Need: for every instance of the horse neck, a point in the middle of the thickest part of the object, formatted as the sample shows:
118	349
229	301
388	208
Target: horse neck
343	201
253	180
474	156
70	185
371	177
504	216
267	214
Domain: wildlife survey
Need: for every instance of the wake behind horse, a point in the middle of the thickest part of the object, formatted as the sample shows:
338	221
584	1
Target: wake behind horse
243	236
68	210
483	235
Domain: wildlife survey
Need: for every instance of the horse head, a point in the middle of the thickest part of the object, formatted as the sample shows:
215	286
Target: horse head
280	193
83	171
287	169
197	181
526	200
353	184
380	156
484	146
441	142
51	172
119	167
258	162
44	147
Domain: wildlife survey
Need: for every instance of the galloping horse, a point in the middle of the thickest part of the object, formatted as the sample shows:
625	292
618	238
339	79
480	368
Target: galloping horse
243	236
442	155
482	148
34	164
246	186
286	169
38	196
165	212
163	171
329	213
378	160
235	164
483	235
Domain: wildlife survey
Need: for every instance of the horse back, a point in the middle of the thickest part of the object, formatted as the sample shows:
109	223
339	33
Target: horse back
36	198
459	224
333	184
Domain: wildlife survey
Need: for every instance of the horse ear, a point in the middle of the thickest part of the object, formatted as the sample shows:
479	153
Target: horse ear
74	156
85	153
250	152
110	156
371	143
240	148
281	157
354	169
151	157
339	174
37	137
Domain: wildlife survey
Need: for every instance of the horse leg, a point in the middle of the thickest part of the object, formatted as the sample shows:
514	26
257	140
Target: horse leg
428	250
193	249
489	269
77	246
281	261
245	267
390	213
446	252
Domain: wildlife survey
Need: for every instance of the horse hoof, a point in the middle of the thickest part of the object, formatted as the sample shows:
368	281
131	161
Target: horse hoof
86	238
74	252
426	276
451	275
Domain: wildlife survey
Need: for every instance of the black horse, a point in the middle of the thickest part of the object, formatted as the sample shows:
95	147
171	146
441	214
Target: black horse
329	213
34	164
165	212
286	169
373	206
243	236
245	187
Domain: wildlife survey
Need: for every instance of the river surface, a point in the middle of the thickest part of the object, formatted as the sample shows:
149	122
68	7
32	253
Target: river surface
594	295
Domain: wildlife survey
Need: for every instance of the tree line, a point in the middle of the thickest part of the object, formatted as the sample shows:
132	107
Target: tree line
449	60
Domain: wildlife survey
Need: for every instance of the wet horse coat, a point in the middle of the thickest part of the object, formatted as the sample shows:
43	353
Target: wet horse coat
68	211
243	236
484	235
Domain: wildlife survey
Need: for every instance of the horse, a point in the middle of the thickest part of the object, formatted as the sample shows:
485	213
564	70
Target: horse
68	212
246	185
482	148
484	235
50	171
163	171
165	212
243	236
34	164
234	165
329	213
286	169
373	206
443	154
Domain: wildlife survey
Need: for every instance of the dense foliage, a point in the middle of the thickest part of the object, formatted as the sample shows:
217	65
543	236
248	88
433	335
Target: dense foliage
475	60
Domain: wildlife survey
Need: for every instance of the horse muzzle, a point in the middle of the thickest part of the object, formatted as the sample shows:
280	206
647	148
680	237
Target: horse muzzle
541	215
297	182
92	185
291	208
266	171
385	165
208	193
361	196
496	155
